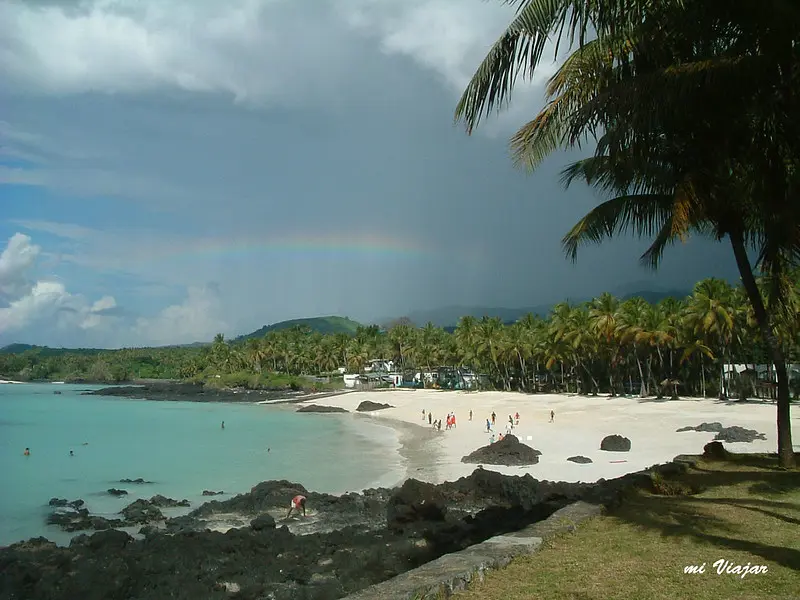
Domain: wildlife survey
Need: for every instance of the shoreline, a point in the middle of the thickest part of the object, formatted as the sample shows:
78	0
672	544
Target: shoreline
581	422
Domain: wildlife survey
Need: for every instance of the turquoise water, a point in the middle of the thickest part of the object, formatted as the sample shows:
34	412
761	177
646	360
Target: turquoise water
179	446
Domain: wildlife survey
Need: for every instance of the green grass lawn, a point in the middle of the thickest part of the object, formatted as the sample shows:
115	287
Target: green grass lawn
748	511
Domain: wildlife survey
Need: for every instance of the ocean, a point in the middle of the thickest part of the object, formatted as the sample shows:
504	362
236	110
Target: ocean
179	446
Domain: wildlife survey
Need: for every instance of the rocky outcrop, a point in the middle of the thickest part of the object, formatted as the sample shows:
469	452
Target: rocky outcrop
263	522
71	516
314	408
137	480
581	460
414	502
142	512
352	541
116	492
369	406
739	434
212	493
615	443
189	392
731	434
164	502
715	451
710	427
63	502
509	452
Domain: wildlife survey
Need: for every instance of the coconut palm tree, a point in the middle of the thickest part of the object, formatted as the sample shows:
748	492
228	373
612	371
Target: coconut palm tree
694	106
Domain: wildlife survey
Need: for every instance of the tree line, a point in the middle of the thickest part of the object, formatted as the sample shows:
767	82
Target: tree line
607	345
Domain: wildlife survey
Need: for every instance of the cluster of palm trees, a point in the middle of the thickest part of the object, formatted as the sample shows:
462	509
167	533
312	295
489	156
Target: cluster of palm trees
692	107
677	346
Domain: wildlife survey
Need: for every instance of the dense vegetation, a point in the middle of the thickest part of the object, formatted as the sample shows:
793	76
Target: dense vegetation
691	107
676	346
318	324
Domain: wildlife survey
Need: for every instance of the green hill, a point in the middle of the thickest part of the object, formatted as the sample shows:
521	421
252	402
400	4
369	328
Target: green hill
46	350
318	324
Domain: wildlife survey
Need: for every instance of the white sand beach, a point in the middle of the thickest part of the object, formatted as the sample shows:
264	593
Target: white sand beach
579	426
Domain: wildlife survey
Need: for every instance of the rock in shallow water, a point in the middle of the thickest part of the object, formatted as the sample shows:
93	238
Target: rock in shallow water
116	492
315	408
509	452
582	460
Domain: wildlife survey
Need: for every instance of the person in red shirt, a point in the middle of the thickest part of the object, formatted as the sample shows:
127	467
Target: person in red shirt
298	503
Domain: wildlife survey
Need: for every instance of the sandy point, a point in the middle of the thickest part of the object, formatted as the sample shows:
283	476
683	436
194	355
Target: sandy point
579	425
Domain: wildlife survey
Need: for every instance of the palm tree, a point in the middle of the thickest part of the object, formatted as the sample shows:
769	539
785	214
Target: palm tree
684	145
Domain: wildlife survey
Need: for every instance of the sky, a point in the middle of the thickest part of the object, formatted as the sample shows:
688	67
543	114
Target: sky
171	170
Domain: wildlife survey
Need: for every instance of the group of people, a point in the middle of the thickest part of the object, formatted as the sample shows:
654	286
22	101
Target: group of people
450	420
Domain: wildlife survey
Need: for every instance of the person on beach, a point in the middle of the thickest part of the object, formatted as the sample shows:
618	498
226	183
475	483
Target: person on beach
552	416
27	452
453	420
423	414
516	418
494	416
430	418
470	414
439	424
298	503
488	426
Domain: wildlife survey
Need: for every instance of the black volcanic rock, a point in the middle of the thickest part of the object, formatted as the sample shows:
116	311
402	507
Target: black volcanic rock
738	434
315	408
142	511
117	493
262	523
615	443
509	452
413	502
137	480
581	460
164	502
368	406
711	427
371	537
212	493
731	434
715	451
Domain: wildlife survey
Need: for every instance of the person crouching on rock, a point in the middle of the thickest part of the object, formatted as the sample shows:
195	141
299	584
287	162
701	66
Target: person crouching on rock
298	503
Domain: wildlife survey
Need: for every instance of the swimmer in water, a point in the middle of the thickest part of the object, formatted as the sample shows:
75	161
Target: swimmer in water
298	503
27	452
71	453
223	425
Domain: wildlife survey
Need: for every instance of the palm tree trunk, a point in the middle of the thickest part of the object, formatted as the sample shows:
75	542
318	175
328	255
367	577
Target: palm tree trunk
785	450
642	383
703	375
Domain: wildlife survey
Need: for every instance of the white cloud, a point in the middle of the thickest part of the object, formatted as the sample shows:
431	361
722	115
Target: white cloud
198	318
16	259
255	50
43	310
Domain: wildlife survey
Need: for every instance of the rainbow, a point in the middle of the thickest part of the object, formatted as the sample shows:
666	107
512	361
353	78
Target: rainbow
326	246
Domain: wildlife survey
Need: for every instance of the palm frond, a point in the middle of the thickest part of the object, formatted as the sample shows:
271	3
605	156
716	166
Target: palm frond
520	48
644	214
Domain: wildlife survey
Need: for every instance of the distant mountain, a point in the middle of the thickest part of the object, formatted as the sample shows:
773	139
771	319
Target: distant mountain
448	316
318	324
